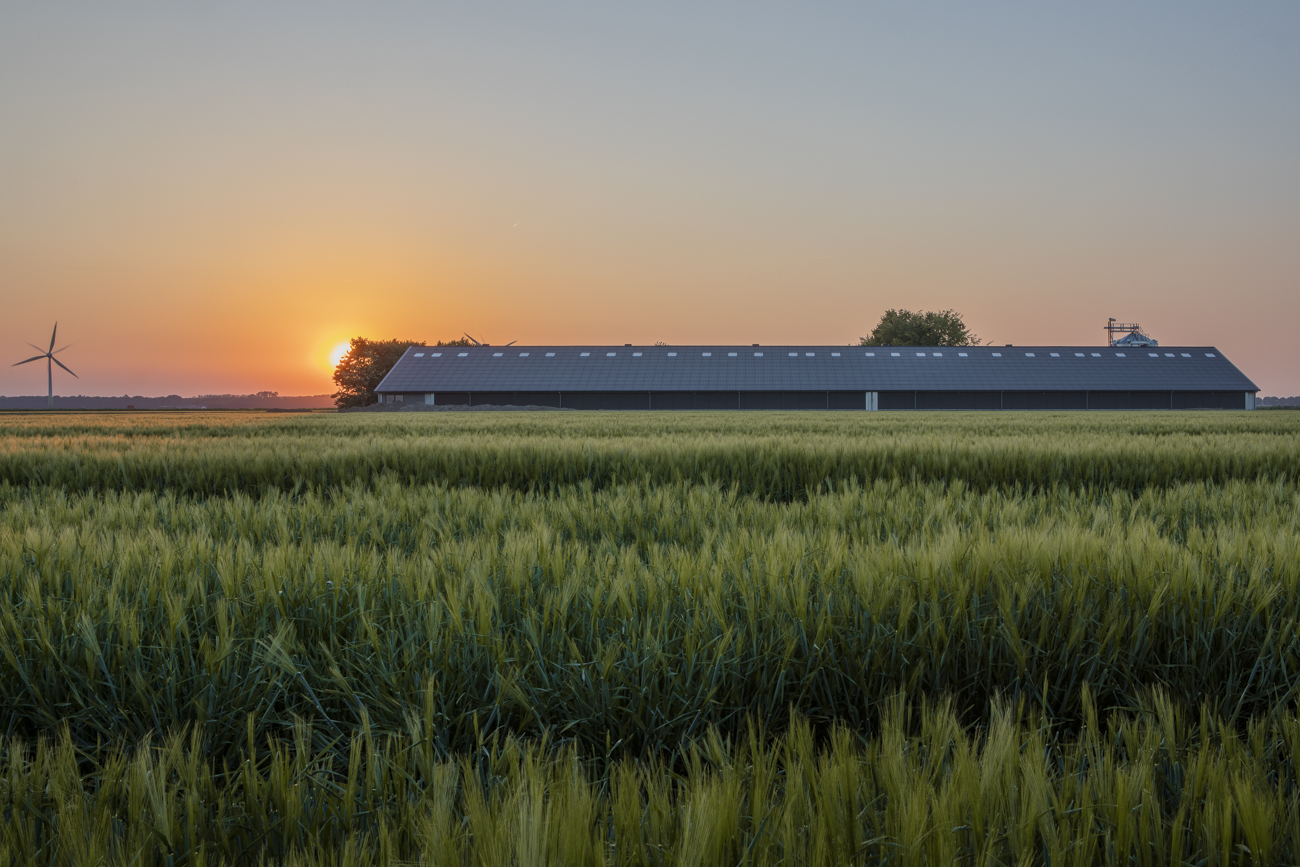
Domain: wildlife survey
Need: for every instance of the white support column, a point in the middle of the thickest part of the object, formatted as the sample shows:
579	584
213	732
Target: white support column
873	401
1250	400
430	399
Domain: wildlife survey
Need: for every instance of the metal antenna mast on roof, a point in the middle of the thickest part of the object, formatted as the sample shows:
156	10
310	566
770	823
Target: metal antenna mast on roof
50	361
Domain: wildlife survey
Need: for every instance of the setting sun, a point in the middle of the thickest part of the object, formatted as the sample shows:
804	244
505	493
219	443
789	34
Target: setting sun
337	353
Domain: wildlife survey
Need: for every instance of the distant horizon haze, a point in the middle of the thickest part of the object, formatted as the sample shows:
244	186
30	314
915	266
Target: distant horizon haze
212	199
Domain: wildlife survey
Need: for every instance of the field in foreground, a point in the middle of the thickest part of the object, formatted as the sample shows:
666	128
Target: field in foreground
650	638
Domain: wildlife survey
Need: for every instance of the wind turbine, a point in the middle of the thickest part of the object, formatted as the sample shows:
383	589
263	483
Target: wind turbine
50	361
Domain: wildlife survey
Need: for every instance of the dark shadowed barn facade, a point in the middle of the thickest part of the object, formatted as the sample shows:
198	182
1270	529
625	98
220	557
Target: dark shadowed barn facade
821	377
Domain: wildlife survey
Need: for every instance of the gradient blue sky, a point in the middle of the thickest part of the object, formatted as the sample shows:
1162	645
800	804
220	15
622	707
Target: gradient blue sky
209	198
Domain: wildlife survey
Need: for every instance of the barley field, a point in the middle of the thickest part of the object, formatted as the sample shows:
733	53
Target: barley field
650	639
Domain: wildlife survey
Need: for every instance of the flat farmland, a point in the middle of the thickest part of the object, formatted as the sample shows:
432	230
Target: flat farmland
650	638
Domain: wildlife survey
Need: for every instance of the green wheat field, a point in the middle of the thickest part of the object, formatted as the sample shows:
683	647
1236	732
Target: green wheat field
650	639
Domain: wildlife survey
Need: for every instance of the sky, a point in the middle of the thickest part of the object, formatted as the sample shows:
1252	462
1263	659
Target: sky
209	198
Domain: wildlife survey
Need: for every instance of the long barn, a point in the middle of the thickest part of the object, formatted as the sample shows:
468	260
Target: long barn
821	377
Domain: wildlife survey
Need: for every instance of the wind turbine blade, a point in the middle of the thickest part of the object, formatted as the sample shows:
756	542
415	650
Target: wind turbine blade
37	348
472	340
33	358
61	348
512	343
52	336
64	366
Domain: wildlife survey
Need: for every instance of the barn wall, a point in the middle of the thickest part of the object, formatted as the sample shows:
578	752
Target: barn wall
845	400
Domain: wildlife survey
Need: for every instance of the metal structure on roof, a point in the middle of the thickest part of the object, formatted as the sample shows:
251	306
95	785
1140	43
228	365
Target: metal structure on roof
846	375
1133	335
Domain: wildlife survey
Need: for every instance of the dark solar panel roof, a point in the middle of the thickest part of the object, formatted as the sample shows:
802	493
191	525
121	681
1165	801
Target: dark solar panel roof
813	368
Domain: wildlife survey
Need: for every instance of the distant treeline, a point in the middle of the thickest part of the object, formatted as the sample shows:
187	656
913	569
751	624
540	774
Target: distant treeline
260	400
1277	401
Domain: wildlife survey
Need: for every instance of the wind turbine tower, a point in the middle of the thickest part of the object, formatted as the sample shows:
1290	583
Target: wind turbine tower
50	361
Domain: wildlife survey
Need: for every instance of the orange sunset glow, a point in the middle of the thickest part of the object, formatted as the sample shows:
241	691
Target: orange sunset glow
216	199
336	354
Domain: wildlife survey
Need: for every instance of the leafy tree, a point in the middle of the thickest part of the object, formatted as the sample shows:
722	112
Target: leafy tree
364	366
928	328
